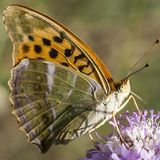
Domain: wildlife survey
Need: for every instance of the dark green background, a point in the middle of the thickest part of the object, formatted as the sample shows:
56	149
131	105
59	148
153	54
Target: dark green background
118	31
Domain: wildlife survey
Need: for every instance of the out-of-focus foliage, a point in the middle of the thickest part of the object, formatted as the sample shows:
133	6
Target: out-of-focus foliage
118	31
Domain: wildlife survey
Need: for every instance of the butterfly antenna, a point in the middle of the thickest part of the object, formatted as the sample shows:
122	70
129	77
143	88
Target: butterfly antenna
132	73
144	55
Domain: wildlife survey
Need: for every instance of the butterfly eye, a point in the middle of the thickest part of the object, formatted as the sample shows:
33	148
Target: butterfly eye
122	88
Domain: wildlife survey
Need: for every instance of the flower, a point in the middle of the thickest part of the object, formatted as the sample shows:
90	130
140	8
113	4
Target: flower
140	139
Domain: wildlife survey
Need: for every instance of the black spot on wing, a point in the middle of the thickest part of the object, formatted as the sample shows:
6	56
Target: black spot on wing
80	56
80	68
37	48
46	41
31	38
65	64
53	53
58	39
69	52
25	48
62	35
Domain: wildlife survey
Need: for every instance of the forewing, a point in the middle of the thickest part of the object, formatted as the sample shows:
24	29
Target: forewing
37	36
53	103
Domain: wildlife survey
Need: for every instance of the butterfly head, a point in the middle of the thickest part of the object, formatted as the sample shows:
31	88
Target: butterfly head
123	86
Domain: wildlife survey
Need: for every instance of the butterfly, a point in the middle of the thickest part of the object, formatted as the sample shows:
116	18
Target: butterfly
60	89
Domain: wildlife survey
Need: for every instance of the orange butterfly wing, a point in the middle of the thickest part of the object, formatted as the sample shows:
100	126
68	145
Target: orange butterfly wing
36	36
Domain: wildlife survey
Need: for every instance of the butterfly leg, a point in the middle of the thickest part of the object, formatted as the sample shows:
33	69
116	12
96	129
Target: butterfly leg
94	128
135	103
118	130
116	124
90	135
131	97
98	136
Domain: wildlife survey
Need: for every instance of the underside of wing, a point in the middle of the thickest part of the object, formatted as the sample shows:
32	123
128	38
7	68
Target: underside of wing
53	104
37	36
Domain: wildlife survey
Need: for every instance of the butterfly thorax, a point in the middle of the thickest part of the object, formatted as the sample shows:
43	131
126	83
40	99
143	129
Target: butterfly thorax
118	96
111	105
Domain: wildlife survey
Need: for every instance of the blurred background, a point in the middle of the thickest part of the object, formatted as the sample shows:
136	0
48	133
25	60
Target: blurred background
120	32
